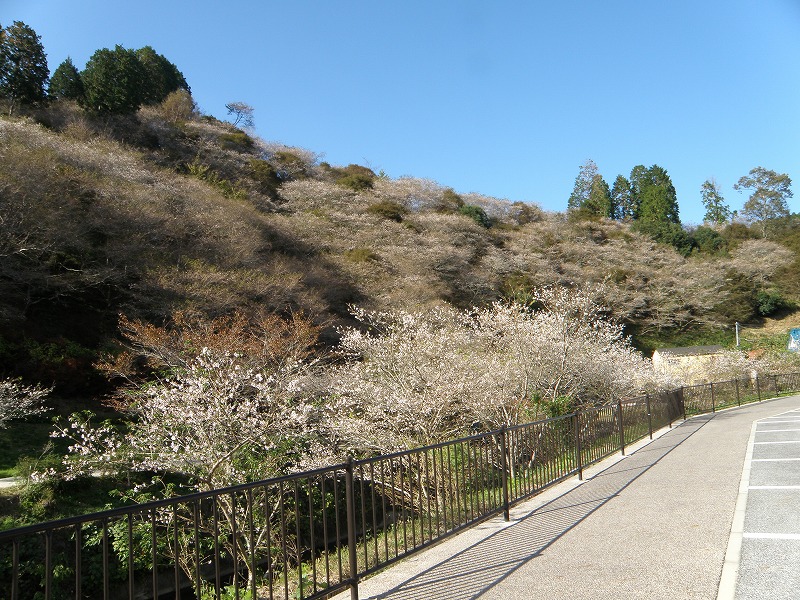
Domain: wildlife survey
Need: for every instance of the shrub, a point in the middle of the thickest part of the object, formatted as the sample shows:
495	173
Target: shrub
709	240
238	141
178	106
288	165
477	214
388	210
666	232
354	177
768	302
451	202
264	174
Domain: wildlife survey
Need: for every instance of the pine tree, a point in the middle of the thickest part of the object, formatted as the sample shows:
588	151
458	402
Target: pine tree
23	65
657	199
162	78
66	82
599	201
114	82
622	199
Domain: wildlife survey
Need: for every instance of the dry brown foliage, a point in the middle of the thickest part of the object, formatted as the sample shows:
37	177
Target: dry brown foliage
262	340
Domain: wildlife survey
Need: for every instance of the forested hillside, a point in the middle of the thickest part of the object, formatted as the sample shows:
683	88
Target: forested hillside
145	215
240	308
120	198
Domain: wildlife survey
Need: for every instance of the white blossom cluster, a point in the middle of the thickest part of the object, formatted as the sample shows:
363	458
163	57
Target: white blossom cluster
211	422
404	379
417	378
18	400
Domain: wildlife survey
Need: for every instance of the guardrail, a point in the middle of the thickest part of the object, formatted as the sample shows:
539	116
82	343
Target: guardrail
312	534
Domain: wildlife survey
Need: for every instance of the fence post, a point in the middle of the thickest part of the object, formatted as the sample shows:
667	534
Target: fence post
578	458
758	388
738	400
713	403
683	403
621	428
504	471
649	416
351	528
775	381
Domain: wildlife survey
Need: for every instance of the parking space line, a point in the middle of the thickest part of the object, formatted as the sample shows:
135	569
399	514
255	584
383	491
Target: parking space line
772	536
782	442
774	430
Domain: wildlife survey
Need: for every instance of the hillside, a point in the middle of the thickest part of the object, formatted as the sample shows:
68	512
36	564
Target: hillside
152	213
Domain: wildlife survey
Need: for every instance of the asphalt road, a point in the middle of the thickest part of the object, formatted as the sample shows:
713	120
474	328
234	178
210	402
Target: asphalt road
684	516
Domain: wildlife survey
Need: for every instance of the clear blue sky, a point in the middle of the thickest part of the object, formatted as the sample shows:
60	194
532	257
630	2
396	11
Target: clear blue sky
505	98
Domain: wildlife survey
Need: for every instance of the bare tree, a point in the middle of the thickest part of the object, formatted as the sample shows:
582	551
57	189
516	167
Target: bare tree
242	113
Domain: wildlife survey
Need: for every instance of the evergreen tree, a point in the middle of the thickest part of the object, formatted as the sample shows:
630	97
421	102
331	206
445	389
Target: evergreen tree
622	199
583	185
716	210
638	181
23	65
162	77
114	82
66	82
768	199
657	199
599	201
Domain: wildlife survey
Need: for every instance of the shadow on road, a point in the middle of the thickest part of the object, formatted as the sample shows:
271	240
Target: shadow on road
475	570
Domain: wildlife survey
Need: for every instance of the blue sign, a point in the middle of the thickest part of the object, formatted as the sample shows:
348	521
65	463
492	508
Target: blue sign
794	340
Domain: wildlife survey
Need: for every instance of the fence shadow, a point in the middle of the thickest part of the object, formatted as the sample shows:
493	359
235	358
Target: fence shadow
475	570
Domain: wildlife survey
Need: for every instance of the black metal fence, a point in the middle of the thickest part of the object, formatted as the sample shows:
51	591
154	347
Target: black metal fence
313	534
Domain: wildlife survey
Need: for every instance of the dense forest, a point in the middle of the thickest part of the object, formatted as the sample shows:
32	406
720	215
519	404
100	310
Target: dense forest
148	251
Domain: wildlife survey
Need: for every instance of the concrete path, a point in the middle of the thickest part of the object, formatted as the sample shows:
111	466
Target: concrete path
654	524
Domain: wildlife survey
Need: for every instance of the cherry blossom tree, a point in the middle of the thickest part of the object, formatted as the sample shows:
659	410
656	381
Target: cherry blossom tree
418	378
18	400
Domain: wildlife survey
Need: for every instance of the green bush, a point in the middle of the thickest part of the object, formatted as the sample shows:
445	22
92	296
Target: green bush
477	214
388	210
769	302
354	177
355	182
264	174
709	241
288	165
238	141
450	202
666	232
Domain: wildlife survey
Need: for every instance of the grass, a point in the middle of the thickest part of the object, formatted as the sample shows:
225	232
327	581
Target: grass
21	439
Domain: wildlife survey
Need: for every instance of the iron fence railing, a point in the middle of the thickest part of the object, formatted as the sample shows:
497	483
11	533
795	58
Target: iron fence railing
312	534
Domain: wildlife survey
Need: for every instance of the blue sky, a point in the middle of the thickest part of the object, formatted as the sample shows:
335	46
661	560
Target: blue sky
506	98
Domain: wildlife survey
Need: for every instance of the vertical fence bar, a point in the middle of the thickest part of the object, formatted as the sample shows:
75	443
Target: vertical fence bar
621	428
683	402
738	399
79	560
713	400
649	415
504	472
758	388
577	432
351	528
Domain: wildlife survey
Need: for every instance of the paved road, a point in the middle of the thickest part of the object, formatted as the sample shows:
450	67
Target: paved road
654	524
765	539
